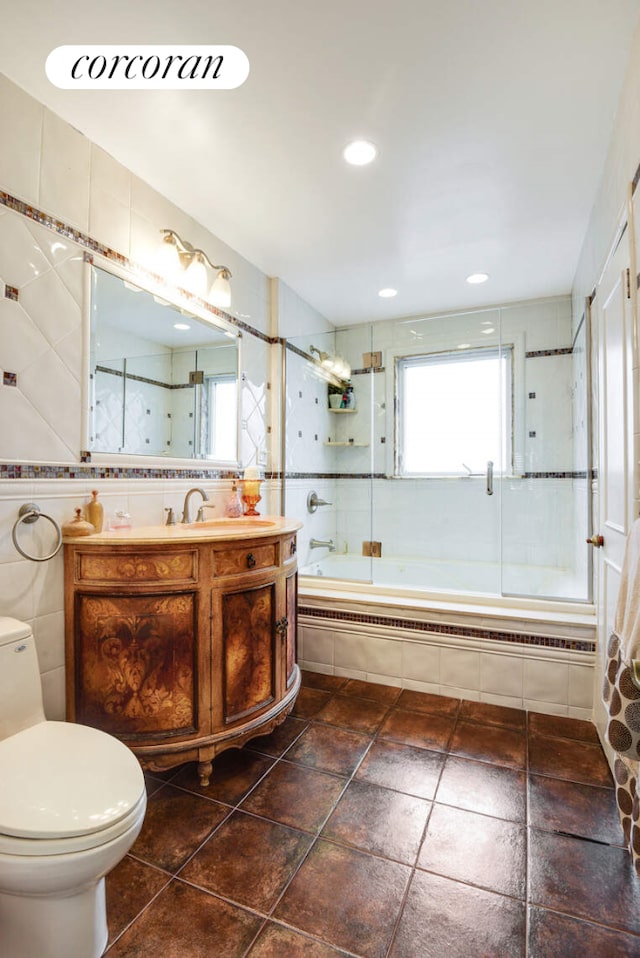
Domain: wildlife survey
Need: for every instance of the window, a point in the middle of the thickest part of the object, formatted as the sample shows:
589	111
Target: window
221	420
453	412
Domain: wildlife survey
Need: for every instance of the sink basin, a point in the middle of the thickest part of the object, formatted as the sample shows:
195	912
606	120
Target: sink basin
231	524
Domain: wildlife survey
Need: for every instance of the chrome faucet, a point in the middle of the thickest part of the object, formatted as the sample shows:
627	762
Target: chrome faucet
186	517
321	543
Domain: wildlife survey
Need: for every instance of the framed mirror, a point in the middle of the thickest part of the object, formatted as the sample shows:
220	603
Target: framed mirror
163	380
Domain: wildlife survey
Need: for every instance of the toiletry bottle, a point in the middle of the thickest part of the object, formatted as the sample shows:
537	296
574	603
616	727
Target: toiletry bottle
121	520
350	396
233	505
95	512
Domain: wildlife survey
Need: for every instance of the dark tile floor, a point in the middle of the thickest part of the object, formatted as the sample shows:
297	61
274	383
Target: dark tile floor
378	822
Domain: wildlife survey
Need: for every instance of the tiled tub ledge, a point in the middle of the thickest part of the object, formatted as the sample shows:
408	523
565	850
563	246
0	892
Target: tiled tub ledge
540	656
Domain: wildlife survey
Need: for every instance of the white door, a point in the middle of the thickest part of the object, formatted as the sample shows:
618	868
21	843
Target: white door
613	314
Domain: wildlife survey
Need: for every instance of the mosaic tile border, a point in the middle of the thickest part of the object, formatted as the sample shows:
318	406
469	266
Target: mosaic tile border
467	632
579	474
535	354
88	243
143	379
333	475
81	471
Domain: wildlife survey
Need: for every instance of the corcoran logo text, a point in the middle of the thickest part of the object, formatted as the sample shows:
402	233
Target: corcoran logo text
150	67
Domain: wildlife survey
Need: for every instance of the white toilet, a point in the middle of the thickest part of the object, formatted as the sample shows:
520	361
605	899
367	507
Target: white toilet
72	801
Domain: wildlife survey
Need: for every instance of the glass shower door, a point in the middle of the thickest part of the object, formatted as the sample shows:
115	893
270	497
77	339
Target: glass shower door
546	495
440	439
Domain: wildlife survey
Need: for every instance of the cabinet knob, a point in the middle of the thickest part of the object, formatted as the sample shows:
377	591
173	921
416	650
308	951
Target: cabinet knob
282	625
251	560
294	547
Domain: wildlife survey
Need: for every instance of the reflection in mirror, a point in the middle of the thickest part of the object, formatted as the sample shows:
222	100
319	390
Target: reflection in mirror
163	382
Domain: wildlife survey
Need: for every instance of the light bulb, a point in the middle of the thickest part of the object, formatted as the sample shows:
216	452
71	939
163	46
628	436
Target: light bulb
195	277
360	152
220	294
168	261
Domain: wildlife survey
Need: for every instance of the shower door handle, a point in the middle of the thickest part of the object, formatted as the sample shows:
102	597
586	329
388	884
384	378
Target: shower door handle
490	478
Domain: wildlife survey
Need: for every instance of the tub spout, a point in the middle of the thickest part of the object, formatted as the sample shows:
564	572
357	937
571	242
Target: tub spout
322	543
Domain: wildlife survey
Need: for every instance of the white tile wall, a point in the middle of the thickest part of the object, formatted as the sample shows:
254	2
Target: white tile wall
20	156
421	664
65	165
546	681
501	675
460	668
368	654
543	680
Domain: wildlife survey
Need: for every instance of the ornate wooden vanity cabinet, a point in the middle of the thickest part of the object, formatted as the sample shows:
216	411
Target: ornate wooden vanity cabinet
181	641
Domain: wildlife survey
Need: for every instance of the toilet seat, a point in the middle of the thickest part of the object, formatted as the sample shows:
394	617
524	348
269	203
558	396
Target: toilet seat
67	788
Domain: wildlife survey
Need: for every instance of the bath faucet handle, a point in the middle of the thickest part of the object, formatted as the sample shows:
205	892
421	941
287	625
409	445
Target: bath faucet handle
313	502
171	517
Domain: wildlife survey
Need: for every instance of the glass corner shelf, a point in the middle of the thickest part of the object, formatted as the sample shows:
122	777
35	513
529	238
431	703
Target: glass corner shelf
331	442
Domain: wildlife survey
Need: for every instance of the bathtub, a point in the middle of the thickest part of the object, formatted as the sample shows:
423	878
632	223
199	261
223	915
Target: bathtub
450	576
373	620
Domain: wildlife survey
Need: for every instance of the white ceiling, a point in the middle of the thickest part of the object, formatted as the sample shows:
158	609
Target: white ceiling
492	119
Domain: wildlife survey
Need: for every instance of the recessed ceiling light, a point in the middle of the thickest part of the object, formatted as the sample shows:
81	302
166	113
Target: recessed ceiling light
181	326
478	278
387	292
360	152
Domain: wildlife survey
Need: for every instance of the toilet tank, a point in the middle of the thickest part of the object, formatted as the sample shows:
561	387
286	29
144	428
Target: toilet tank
20	689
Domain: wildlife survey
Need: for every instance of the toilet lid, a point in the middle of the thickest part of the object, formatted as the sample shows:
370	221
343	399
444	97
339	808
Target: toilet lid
61	780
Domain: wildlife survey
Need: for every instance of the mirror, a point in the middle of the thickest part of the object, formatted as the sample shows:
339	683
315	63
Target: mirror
163	381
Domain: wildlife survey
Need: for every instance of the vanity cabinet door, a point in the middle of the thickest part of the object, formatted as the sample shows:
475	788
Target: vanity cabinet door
135	664
290	628
247	620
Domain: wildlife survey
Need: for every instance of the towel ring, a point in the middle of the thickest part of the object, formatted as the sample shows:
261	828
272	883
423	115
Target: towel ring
28	513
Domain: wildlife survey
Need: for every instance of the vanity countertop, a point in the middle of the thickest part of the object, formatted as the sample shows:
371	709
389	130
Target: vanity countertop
244	527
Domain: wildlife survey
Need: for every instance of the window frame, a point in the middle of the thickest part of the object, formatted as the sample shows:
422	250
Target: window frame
507	352
211	383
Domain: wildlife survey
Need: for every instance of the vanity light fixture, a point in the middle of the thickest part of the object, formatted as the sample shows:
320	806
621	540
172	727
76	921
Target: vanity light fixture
177	255
475	278
360	152
335	365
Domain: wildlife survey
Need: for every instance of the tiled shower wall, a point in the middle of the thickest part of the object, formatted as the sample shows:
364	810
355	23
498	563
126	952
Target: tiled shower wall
537	516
